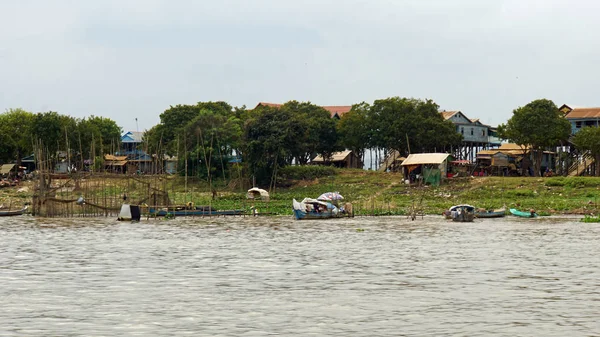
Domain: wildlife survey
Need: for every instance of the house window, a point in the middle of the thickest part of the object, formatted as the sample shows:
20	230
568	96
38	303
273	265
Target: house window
471	131
462	131
483	133
578	124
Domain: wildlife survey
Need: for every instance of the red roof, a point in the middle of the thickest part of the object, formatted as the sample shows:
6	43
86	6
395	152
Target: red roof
338	110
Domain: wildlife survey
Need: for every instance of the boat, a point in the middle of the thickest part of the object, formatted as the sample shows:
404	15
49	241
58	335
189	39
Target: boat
191	211
530	214
13	212
460	213
310	208
495	213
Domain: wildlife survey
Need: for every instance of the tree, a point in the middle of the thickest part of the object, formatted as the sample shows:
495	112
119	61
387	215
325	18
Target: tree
539	125
588	139
311	131
268	134
411	125
354	129
16	131
211	138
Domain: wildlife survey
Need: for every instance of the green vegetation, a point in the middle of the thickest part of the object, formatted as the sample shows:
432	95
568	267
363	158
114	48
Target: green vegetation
371	193
540	125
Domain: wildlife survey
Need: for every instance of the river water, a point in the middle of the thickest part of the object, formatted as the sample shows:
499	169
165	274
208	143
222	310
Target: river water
383	276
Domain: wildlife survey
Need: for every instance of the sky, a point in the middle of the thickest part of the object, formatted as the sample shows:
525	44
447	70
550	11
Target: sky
132	59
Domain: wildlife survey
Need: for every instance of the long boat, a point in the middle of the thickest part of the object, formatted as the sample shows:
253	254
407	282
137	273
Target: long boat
496	213
197	211
316	209
13	212
530	214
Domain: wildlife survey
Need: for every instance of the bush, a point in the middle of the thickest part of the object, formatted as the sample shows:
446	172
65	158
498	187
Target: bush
555	181
306	172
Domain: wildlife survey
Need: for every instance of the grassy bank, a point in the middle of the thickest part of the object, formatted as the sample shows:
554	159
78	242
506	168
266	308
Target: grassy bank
375	193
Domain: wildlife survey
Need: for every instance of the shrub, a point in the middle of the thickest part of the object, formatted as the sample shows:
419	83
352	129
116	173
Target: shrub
306	172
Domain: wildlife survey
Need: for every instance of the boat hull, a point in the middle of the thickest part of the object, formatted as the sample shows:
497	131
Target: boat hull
522	214
13	213
491	214
300	215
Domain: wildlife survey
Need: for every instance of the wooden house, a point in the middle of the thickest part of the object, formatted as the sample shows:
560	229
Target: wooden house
343	159
476	135
581	117
115	164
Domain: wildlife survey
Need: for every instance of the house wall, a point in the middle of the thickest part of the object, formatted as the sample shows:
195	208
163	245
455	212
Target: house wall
472	132
579	123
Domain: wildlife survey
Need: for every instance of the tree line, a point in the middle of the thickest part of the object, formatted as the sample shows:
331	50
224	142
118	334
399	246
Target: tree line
266	138
80	138
207	136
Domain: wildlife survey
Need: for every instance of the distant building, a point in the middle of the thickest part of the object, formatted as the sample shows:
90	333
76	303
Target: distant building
476	135
343	159
581	117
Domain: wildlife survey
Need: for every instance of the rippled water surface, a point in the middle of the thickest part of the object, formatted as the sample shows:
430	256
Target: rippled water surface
275	276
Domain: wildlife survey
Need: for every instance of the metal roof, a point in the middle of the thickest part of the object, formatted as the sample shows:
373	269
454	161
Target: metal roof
425	158
4	169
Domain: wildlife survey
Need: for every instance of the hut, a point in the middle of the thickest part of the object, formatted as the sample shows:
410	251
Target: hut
429	168
343	159
115	164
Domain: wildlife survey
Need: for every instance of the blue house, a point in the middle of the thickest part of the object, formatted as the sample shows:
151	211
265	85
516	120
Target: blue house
581	117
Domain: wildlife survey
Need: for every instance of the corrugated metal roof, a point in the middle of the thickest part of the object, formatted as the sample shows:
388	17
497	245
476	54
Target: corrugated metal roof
115	163
583	113
4	169
114	158
132	137
425	158
448	114
337	156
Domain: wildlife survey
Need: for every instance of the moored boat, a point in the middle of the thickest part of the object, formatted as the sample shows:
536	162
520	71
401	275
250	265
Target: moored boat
530	214
316	209
461	213
13	212
496	213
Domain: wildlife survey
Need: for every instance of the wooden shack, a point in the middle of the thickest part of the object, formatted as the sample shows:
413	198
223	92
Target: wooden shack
343	159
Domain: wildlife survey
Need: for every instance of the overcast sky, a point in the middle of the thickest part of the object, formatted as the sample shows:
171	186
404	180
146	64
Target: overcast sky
127	59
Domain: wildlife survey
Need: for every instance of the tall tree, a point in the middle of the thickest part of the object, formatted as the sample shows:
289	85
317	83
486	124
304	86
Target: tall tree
312	131
211	137
267	138
355	130
16	129
588	139
540	125
411	125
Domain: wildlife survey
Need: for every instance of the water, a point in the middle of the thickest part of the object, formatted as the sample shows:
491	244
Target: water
276	276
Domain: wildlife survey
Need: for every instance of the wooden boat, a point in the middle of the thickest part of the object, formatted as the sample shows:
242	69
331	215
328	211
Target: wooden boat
461	213
316	209
192	211
496	213
530	214
13	212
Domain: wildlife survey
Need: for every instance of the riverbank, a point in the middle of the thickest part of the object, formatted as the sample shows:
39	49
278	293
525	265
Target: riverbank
376	193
